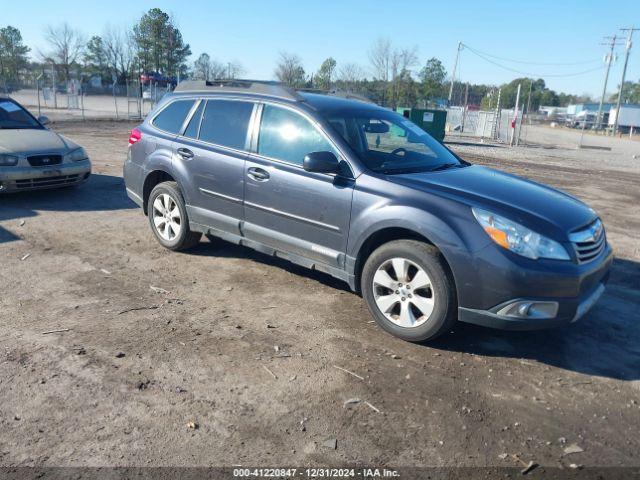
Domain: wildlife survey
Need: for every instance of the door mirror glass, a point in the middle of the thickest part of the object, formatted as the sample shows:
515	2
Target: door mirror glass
44	120
321	162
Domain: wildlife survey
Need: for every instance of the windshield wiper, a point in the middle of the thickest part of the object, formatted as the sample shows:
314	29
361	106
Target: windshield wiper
445	166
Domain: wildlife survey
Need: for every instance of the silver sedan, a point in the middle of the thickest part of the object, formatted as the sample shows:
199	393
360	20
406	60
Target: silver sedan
33	157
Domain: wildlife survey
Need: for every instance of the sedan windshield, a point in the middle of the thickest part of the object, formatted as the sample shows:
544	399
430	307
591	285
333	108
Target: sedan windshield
13	116
389	143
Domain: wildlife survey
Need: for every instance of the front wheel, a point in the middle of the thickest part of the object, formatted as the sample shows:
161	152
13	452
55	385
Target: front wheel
168	218
408	290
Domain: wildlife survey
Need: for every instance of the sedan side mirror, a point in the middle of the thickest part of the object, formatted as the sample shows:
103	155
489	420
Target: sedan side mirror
321	162
44	120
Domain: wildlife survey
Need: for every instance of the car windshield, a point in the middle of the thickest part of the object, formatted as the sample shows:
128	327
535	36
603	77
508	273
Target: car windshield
13	116
389	143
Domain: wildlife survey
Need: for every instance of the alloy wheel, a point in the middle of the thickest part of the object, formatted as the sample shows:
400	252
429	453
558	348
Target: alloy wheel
166	217
403	292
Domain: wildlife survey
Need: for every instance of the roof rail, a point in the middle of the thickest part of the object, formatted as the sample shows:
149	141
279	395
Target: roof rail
258	87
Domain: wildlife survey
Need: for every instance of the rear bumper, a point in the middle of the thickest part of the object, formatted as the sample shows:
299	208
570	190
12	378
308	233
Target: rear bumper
589	283
18	179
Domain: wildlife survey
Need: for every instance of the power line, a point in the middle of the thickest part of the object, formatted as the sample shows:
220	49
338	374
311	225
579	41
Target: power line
529	74
557	64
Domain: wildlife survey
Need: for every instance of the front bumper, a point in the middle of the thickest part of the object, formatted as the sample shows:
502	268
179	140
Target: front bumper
586	281
18	179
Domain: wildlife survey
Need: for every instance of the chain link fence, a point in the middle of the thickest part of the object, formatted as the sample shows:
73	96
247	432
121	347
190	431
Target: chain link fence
132	101
502	126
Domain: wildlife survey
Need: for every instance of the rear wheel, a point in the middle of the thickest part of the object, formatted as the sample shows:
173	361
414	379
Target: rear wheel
408	290
168	218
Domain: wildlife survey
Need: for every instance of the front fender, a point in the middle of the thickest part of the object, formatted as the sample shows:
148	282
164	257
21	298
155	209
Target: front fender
447	224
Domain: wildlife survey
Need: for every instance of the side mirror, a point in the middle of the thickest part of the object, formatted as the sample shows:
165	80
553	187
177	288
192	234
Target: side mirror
44	120
321	162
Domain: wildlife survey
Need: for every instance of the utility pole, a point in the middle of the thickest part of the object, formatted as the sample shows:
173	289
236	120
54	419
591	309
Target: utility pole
515	118
496	119
608	58
624	73
528	108
453	72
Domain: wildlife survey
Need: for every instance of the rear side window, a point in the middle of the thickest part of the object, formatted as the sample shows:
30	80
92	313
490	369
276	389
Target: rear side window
288	136
225	122
172	117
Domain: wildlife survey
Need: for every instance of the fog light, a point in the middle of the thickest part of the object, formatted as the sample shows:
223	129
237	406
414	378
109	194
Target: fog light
529	309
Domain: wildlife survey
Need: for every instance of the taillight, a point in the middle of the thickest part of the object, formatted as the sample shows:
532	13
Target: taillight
135	136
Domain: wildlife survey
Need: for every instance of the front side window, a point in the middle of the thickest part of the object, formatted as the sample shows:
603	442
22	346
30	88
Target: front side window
389	143
288	136
225	122
13	116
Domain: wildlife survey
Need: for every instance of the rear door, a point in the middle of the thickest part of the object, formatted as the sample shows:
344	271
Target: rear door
211	154
287	207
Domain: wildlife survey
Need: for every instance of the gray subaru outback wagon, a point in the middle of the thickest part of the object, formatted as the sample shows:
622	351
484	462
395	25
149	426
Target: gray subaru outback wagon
341	185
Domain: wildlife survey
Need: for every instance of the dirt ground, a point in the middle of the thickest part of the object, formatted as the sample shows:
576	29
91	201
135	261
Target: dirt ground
261	355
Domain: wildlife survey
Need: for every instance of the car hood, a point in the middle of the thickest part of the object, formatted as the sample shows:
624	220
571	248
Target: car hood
534	205
27	141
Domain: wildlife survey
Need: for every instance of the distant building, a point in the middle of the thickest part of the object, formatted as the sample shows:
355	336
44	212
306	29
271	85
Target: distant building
588	107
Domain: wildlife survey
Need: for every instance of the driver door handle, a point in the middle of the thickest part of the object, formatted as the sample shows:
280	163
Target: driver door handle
185	153
258	174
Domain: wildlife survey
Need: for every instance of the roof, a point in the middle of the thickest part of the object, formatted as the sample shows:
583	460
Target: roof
335	102
272	89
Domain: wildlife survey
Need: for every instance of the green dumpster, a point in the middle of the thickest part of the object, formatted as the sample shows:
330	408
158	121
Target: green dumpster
430	120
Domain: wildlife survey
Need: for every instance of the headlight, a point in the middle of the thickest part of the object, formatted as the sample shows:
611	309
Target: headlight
8	160
519	239
76	155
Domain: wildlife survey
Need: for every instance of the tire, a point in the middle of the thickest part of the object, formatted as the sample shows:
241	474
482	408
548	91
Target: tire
170	225
420	307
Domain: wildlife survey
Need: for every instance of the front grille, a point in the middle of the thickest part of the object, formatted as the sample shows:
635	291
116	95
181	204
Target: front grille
589	242
47	182
44	160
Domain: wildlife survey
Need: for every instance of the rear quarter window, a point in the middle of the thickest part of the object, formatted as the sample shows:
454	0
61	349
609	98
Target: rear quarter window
172	117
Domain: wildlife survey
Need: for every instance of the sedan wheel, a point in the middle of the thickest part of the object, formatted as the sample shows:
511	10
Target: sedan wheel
403	293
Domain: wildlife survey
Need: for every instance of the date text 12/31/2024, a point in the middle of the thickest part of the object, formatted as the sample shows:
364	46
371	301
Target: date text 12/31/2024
315	473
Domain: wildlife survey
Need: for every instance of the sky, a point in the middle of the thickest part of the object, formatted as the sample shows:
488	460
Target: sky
254	32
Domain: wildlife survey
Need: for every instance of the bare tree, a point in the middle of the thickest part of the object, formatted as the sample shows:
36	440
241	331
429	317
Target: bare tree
235	69
351	73
380	58
65	46
289	70
119	51
206	68
402	61
202	67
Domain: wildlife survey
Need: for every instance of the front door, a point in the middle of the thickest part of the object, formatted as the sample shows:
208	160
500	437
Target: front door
287	207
